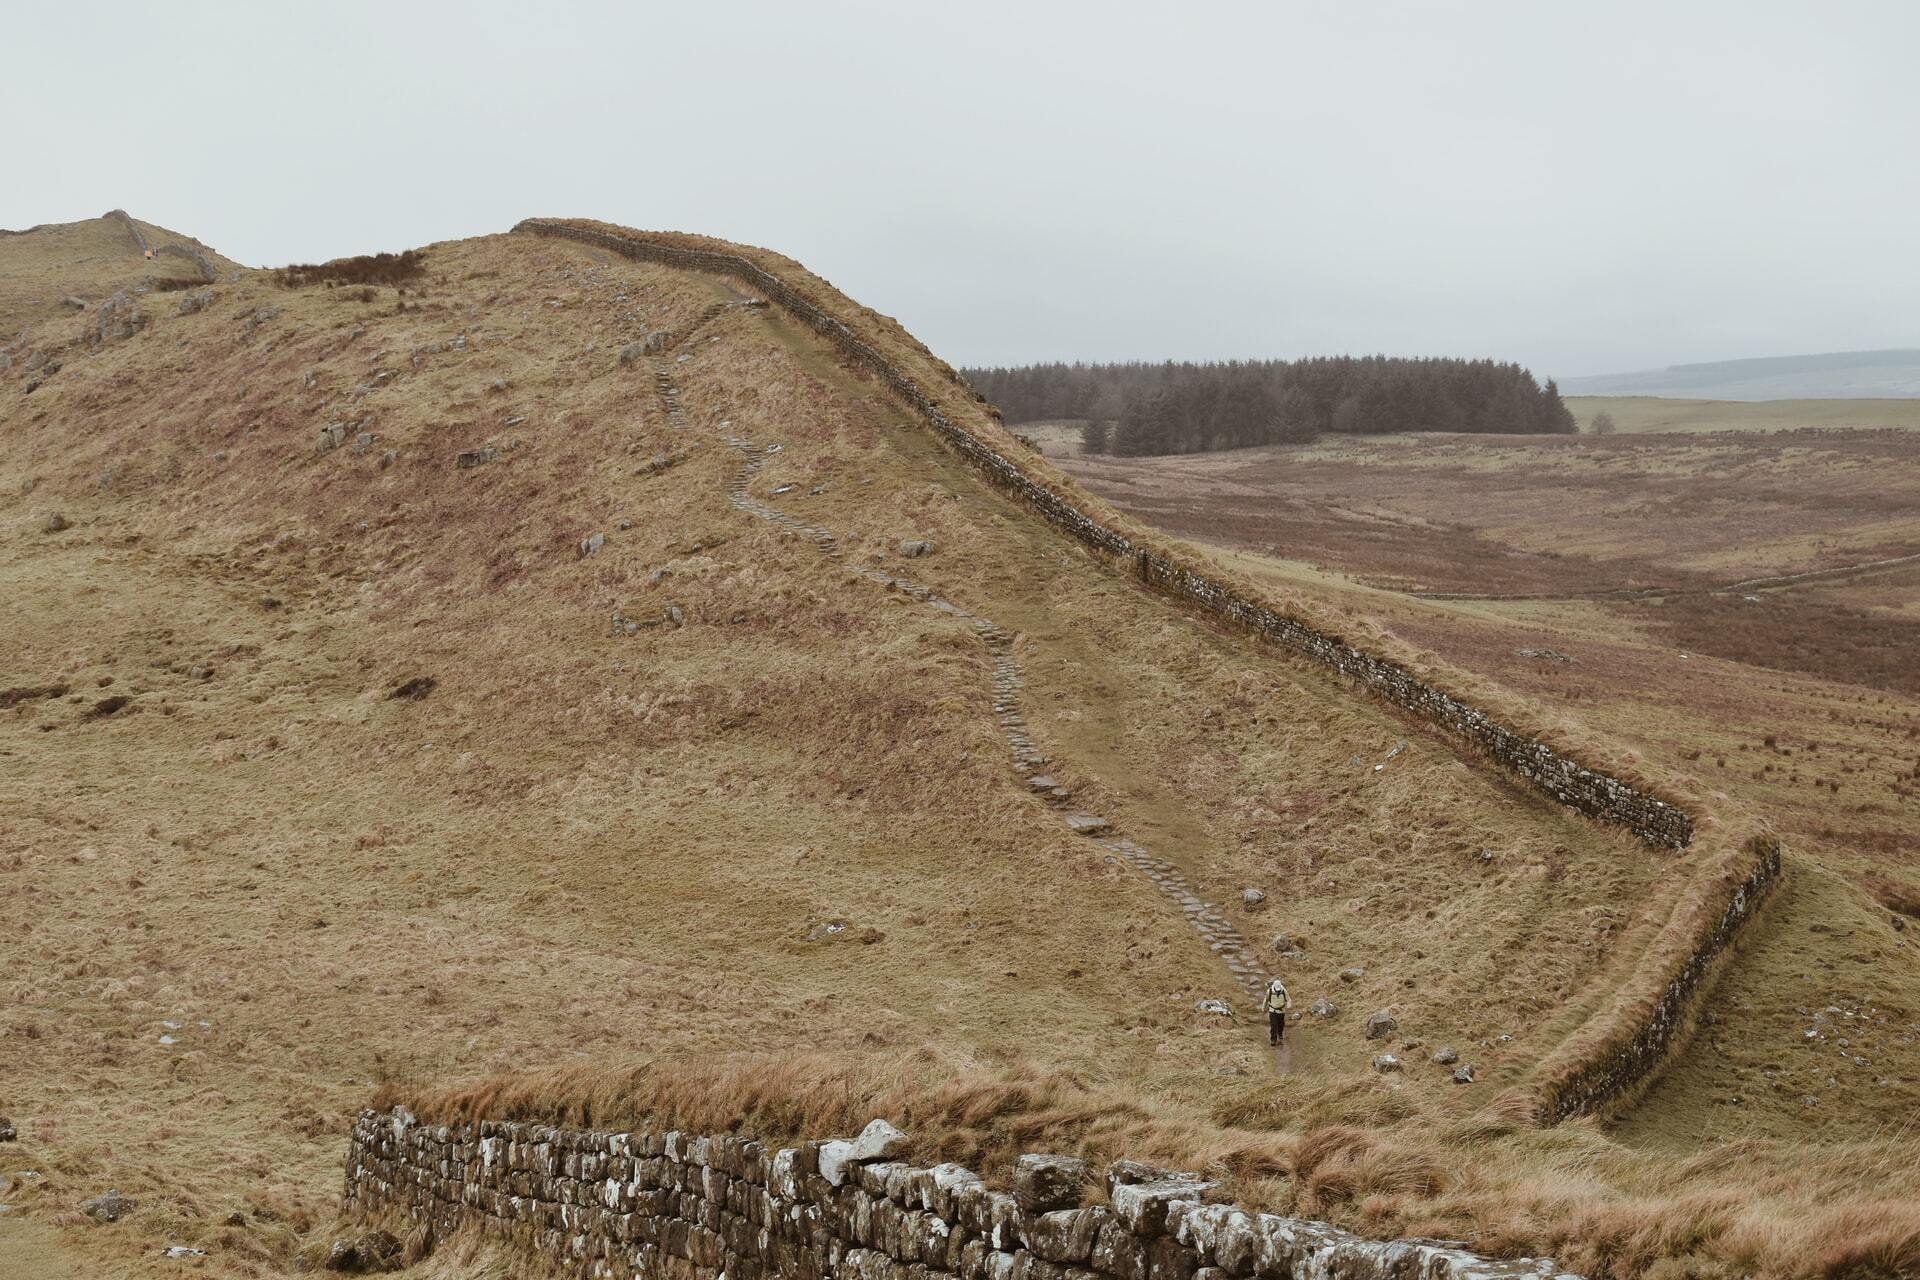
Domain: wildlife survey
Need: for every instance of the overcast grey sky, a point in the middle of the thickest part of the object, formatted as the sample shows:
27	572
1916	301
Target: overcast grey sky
1585	188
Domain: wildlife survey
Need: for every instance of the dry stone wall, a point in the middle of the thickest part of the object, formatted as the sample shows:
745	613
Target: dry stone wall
1586	790
676	1206
1601	1079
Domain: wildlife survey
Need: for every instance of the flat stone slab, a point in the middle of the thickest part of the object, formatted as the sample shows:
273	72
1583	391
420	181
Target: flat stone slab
1085	824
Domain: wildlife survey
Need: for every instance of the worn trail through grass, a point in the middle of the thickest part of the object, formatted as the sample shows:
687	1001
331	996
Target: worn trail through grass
1207	918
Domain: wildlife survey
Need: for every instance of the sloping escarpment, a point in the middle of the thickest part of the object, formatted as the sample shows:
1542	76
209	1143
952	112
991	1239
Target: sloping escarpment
1587	790
1604	1059
1207	918
693	1207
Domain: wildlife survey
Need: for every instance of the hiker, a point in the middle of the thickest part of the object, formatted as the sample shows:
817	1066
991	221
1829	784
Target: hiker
1276	1006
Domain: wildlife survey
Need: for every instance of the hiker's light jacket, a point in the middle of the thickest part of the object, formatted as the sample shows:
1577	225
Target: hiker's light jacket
1276	999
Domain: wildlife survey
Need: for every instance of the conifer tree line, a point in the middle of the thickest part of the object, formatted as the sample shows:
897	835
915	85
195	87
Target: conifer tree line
1140	408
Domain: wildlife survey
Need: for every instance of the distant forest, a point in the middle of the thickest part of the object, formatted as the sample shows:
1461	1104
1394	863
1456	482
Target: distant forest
1139	408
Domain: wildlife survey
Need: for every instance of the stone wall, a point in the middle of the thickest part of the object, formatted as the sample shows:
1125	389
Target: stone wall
198	257
1613	1072
675	1206
1589	791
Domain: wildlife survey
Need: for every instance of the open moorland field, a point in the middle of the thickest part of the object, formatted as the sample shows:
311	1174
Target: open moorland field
1801	697
1663	416
1552	516
393	698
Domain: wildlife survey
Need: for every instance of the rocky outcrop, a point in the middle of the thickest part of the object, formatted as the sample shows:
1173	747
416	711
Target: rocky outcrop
677	1206
118	319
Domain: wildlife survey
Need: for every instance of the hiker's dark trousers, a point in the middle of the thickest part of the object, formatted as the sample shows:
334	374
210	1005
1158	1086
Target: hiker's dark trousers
1276	1027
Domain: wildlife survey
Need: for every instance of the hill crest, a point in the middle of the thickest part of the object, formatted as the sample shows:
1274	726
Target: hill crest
1893	373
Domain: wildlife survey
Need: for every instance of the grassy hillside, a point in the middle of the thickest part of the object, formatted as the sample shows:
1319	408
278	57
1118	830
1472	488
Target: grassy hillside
41	268
399	700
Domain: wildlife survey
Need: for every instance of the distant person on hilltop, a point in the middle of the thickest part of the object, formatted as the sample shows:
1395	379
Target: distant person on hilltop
1276	1006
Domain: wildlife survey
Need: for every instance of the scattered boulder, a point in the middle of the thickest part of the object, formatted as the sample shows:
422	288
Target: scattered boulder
260	316
182	1251
332	436
1252	899
656	342
1380	1024
1282	942
676	615
55	523
110	1207
1385	1063
879	1141
1353	973
1219	1008
373	1252
200	301
1445	1056
913	548
660	462
1323	1008
7	1131
1463	1075
75	301
1545	655
592	543
1043	1184
1085	824
468	459
633	351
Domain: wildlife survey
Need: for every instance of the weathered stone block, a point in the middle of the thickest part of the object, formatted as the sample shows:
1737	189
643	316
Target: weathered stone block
1044	1183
